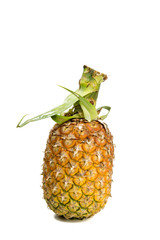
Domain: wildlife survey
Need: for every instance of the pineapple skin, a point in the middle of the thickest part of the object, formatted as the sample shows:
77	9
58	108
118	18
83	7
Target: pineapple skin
77	168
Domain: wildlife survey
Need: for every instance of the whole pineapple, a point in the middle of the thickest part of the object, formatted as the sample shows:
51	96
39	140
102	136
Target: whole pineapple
78	160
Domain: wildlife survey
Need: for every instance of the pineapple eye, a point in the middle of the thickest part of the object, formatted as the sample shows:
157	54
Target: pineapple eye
66	129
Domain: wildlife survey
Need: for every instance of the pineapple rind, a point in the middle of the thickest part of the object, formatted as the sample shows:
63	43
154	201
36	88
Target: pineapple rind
77	169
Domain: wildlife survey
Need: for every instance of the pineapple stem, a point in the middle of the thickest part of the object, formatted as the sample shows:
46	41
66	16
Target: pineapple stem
91	79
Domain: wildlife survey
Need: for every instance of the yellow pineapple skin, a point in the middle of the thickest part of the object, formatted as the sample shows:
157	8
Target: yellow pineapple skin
77	168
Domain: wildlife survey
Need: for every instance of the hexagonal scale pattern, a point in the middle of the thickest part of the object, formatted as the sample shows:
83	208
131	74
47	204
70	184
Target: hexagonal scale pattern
77	169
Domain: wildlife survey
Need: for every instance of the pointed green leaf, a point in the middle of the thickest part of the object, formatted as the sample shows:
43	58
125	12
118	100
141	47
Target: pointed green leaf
89	83
68	102
103	116
89	110
18	125
61	119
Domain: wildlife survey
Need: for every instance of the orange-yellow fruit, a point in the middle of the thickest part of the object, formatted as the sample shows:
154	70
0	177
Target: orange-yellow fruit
77	169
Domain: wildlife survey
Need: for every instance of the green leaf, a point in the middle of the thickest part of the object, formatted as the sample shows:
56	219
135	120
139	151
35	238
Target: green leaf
68	102
18	125
89	110
61	119
89	83
103	116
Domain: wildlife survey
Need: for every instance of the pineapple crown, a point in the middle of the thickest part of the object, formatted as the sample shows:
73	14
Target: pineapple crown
82	101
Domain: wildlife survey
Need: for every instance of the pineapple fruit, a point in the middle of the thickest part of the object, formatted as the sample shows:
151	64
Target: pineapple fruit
79	154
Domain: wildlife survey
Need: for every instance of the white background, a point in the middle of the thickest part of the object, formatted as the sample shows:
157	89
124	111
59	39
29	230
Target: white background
44	43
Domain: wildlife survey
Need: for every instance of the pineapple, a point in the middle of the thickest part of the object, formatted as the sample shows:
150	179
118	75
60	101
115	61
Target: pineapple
79	154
